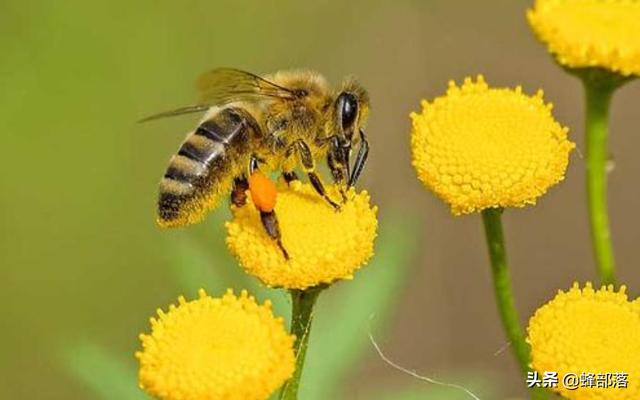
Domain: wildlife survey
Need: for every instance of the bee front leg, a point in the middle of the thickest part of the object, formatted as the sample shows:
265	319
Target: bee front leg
308	164
361	159
338	162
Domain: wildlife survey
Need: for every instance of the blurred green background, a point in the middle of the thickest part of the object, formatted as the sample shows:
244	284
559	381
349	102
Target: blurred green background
82	265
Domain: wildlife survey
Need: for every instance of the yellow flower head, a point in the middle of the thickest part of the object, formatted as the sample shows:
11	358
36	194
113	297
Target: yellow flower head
323	245
216	348
589	331
480	147
590	33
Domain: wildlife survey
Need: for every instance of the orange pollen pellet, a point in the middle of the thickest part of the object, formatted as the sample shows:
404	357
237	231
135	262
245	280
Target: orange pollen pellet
263	191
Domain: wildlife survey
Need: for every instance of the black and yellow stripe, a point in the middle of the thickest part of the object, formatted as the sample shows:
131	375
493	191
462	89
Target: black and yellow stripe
204	167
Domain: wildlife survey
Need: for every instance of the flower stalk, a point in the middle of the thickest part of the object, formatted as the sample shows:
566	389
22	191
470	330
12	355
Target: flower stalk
303	302
599	86
492	219
502	285
598	100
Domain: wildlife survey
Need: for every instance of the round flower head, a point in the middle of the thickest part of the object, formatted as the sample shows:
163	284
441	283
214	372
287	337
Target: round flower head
591	332
216	348
479	147
590	33
323	245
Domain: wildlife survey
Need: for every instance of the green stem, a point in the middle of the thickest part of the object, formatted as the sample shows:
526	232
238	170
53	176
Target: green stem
502	286
598	99
301	319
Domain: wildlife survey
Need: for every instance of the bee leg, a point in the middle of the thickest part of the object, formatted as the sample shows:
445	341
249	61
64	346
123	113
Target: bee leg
241	185
338	161
270	224
239	192
289	176
361	159
254	162
309	167
267	216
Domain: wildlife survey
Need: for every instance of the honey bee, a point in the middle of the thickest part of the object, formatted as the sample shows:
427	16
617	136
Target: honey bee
273	123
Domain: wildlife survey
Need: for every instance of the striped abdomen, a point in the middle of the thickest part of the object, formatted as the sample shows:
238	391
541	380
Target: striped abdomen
204	168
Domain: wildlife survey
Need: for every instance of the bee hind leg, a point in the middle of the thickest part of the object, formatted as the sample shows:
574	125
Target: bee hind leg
270	224
264	188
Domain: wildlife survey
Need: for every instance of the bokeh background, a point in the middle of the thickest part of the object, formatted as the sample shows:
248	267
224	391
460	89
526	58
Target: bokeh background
82	265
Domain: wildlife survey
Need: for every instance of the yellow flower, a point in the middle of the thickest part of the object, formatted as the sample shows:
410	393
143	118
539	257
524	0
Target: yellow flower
216	348
323	245
480	147
590	33
588	331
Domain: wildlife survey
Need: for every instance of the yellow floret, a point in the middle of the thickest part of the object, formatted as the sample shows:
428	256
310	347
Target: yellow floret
590	33
589	331
323	245
216	349
479	147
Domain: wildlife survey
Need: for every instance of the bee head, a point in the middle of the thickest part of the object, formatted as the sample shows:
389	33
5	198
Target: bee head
352	109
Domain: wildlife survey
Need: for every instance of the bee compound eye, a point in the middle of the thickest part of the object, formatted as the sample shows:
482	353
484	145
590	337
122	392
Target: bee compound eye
349	110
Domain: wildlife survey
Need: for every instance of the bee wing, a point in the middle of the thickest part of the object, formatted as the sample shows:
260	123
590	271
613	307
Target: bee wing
225	85
178	111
